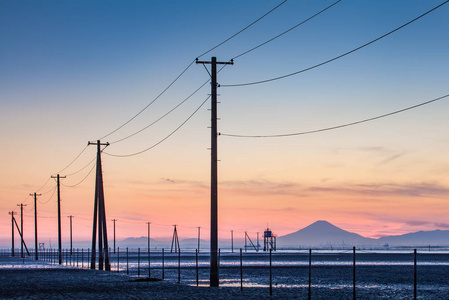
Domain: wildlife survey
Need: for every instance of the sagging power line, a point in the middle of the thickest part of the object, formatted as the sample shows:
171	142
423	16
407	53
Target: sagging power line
337	57
335	127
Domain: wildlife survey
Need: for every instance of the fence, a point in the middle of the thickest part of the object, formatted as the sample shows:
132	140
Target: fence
306	270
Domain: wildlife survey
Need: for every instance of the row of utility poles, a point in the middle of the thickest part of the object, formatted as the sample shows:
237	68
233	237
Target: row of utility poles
99	205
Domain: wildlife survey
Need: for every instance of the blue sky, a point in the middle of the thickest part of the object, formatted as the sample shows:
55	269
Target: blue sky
73	71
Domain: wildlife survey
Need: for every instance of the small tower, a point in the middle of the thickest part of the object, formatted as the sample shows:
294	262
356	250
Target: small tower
269	240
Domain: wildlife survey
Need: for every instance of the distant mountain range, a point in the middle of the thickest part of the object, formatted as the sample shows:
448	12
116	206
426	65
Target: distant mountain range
320	234
324	234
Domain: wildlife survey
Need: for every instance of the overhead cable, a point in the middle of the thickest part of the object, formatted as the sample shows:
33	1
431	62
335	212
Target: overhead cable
334	127
335	58
182	73
165	138
240	31
286	31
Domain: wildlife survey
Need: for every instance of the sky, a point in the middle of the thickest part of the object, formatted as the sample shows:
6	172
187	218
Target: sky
75	71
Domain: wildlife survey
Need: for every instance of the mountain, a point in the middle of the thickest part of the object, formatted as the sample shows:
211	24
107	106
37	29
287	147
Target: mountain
323	234
420	238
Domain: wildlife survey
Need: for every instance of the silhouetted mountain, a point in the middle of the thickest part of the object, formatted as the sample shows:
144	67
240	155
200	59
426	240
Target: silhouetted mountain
322	234
420	238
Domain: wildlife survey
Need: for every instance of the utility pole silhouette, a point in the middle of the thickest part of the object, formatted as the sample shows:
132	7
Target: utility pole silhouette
175	241
36	256
100	215
12	213
21	227
199	230
113	221
59	217
71	245
214	281
232	241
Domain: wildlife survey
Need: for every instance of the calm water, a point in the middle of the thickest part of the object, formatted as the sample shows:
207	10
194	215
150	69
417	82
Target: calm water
378	274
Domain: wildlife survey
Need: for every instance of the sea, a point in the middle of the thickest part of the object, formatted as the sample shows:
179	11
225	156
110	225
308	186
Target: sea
320	274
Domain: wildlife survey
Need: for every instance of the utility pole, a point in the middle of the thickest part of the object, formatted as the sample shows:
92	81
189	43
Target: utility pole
199	230
113	221
12	213
100	215
214	281
175	241
59	217
232	241
21	226
36	256
71	245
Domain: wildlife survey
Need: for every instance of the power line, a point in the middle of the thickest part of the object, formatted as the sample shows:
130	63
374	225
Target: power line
338	57
148	105
165	138
54	190
182	73
82	168
286	31
234	35
163	116
81	180
335	127
72	160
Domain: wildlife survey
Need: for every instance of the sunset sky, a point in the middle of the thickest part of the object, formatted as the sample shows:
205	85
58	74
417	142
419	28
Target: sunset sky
74	71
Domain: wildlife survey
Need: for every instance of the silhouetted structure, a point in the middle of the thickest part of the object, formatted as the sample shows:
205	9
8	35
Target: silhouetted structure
214	174
36	250
59	217
247	238
12	213
269	240
175	241
100	215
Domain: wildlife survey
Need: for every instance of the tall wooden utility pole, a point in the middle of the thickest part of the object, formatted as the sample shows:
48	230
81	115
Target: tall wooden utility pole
71	244
59	217
12	213
100	215
21	227
214	175
36	256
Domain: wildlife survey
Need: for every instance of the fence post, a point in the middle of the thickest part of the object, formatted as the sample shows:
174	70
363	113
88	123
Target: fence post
414	277
241	270
353	274
179	265
118	259
127	261
138	261
310	275
82	258
196	262
271	285
163	265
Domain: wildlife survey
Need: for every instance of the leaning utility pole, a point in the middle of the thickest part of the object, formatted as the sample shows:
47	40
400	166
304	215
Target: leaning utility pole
21	226
100	215
214	176
71	245
35	225
12	213
59	217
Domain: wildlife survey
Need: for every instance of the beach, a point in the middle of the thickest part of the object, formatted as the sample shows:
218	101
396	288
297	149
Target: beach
30	279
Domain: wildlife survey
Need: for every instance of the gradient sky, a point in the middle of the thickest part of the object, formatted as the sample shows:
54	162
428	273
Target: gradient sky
73	71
